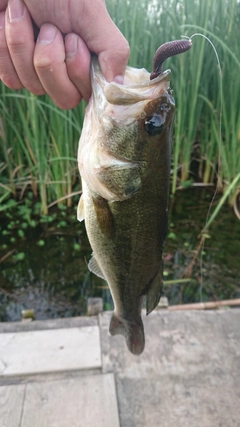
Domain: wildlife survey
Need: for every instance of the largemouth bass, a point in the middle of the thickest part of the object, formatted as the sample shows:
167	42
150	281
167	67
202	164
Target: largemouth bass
124	161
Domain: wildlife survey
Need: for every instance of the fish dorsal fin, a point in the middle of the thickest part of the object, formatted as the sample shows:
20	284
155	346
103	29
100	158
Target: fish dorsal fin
94	267
154	292
80	209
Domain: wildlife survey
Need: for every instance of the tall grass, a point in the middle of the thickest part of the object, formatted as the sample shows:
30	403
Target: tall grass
195	78
38	144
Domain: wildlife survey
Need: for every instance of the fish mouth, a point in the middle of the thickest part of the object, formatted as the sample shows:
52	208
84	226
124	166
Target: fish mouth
136	86
114	112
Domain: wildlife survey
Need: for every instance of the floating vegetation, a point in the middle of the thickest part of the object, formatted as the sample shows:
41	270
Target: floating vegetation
53	278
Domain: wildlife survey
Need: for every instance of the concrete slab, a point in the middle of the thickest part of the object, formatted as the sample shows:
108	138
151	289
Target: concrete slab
89	401
11	405
176	401
189	373
40	325
49	351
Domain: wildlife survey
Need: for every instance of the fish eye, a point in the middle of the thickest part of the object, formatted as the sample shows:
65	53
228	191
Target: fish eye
153	125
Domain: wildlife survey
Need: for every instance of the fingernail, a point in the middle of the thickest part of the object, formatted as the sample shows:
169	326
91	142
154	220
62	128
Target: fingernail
15	10
71	45
2	20
47	34
119	79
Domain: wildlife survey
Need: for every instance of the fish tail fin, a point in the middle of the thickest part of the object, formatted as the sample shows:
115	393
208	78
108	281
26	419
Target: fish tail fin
133	333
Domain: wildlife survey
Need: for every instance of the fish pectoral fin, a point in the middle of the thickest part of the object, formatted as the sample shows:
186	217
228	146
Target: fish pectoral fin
93	266
123	180
80	209
154	292
133	333
104	216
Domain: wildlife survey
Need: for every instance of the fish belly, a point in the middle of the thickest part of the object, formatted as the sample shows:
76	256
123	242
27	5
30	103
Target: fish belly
129	256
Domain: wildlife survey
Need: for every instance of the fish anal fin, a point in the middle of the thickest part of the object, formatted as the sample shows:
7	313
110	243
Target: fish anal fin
104	216
154	291
93	266
133	333
80	209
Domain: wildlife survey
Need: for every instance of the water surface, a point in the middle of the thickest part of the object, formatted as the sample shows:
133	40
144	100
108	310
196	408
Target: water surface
50	275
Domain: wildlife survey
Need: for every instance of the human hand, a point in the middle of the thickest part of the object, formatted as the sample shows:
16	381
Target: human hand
58	63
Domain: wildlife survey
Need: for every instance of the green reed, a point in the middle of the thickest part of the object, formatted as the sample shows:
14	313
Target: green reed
195	80
38	141
39	146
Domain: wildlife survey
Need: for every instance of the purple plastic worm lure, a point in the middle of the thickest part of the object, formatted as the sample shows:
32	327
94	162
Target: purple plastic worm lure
165	51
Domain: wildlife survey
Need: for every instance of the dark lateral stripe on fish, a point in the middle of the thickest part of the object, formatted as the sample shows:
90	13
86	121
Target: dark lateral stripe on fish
166	51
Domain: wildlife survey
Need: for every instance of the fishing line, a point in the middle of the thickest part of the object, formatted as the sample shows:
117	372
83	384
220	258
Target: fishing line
219	160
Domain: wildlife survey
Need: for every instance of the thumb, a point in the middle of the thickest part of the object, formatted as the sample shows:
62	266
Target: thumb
113	60
104	38
114	54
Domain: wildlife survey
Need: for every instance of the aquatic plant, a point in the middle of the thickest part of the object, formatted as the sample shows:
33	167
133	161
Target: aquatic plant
39	145
195	79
